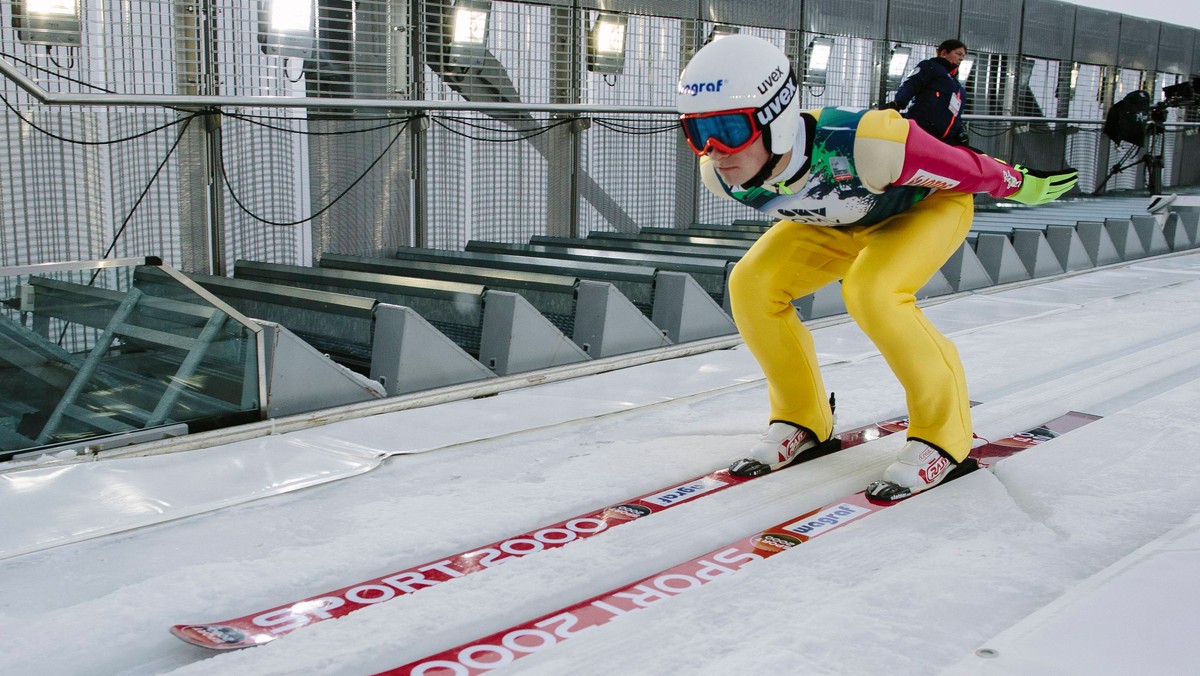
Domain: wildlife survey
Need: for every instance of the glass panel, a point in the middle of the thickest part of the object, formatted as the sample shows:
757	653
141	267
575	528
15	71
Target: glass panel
89	352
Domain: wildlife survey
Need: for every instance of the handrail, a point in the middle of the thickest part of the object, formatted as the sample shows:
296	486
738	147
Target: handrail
45	268
189	101
1063	120
255	329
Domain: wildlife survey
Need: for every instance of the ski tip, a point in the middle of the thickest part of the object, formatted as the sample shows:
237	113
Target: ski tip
212	636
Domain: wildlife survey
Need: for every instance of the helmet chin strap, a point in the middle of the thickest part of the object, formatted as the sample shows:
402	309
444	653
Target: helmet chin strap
767	171
808	126
768	167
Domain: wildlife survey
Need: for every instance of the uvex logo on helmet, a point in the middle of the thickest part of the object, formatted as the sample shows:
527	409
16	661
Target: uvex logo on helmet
697	87
771	109
765	85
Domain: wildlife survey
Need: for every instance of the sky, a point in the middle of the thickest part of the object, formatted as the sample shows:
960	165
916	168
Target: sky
1181	12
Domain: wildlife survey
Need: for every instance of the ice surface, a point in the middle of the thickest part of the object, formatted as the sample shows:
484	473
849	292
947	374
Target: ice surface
913	590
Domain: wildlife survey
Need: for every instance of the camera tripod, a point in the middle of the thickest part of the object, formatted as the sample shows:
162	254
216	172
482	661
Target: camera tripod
1152	155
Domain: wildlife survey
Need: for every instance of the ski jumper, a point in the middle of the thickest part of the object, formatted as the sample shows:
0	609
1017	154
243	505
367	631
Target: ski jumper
880	205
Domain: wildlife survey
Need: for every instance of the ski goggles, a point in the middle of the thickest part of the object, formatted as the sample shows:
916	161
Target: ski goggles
730	131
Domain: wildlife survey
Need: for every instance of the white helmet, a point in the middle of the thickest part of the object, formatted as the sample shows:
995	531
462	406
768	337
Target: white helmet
744	72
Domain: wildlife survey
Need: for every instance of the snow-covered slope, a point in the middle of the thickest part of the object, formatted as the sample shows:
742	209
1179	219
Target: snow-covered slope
914	590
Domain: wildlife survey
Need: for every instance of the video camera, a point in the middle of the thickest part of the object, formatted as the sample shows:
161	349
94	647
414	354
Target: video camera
1183	94
1130	118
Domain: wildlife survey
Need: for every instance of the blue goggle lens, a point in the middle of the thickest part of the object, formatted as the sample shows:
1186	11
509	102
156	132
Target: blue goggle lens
732	130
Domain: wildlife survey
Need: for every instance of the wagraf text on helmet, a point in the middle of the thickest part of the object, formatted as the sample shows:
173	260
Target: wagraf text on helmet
695	88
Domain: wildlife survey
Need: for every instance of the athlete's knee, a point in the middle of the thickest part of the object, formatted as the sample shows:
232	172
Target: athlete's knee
740	284
868	298
752	290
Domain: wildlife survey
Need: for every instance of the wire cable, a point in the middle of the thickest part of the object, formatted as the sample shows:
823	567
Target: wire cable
624	127
145	191
327	207
64	139
438	120
55	73
256	120
128	217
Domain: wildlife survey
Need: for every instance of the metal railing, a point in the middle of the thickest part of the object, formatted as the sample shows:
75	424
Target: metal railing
181	129
87	352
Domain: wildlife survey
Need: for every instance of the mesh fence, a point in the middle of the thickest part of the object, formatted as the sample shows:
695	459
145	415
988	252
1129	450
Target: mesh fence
1088	101
628	166
1170	141
490	177
203	188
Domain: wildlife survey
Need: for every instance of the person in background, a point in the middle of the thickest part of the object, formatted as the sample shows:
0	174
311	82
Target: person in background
865	197
936	95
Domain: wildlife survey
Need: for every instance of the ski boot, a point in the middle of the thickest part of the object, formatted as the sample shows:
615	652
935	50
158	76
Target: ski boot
782	443
921	466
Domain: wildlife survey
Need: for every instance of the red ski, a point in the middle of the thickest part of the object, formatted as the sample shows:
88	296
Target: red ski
268	625
504	647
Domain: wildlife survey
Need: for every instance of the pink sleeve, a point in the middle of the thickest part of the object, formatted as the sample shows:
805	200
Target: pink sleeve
931	163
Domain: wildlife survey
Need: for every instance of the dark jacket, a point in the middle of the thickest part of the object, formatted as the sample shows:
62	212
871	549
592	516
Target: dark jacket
937	99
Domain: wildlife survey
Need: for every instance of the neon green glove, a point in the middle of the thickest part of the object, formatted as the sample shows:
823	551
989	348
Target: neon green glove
1039	187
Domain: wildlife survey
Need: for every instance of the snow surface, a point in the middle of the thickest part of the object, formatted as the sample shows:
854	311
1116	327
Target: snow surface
916	589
